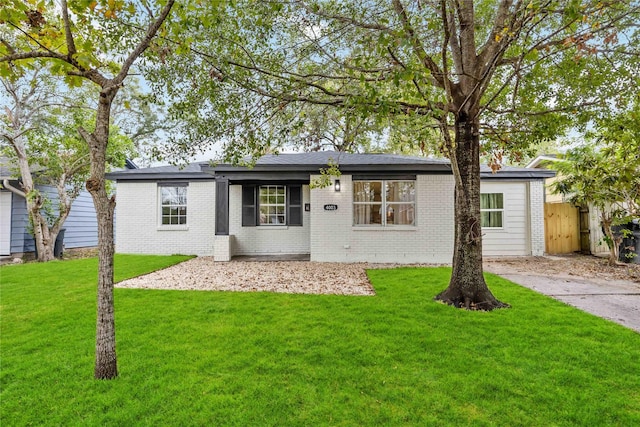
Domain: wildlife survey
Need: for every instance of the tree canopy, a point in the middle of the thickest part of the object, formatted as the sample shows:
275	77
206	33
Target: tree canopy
605	173
493	77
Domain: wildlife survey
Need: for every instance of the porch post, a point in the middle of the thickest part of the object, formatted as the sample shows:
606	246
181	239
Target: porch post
222	206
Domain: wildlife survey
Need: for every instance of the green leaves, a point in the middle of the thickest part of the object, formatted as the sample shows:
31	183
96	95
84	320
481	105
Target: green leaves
606	172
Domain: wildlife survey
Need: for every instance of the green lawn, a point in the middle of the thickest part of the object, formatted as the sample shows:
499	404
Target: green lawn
254	359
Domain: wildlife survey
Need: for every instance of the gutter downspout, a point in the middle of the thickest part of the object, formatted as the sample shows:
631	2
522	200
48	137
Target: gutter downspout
14	190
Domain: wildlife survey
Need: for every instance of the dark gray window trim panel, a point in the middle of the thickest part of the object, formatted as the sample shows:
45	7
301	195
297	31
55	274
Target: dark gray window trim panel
173	184
379	177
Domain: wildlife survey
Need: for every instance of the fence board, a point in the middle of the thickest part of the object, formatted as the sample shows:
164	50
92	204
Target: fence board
562	228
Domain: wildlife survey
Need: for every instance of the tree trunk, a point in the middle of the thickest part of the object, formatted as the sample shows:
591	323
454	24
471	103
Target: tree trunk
467	287
106	366
613	241
42	236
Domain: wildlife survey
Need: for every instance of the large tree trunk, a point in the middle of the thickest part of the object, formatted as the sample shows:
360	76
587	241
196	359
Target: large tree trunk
106	366
467	287
42	235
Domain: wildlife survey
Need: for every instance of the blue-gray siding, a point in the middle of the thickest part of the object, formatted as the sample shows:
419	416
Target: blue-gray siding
81	225
19	221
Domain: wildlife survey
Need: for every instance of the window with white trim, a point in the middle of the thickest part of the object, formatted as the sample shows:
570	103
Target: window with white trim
384	203
491	210
273	205
173	204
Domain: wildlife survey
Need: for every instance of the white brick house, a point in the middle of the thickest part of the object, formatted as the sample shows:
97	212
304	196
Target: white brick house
387	208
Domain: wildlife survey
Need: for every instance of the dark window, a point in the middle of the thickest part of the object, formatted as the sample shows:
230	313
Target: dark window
248	205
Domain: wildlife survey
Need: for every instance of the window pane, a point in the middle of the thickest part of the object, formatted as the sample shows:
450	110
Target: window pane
365	191
491	219
367	214
264	214
400	214
400	191
491	201
181	193
168	196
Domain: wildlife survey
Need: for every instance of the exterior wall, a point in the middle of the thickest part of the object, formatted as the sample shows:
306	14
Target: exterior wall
549	196
536	217
265	240
335	239
514	238
5	222
21	241
82	224
138	214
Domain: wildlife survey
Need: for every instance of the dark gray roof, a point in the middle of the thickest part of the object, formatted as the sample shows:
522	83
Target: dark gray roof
5	170
191	171
307	163
511	172
321	158
9	169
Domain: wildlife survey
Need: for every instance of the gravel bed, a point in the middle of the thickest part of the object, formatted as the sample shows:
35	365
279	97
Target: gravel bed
306	277
293	277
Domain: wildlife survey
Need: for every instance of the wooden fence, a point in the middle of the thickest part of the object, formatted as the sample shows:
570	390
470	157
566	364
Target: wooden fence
562	228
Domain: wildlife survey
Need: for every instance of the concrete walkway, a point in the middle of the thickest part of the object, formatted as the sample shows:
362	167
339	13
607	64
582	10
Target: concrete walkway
615	300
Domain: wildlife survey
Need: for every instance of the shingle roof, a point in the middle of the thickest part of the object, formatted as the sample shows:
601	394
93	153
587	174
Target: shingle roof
8	170
5	170
189	171
345	159
515	172
311	162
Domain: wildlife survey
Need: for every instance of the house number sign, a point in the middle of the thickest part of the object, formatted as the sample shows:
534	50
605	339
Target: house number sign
330	207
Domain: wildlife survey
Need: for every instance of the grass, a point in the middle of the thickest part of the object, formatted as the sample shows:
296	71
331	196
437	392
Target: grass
222	358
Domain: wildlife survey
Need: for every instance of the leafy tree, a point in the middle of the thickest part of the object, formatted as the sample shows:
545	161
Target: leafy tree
606	174
320	127
141	117
86	41
492	76
39	130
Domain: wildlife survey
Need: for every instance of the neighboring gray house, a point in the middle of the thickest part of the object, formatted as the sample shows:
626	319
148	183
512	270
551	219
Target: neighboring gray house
81	225
383	208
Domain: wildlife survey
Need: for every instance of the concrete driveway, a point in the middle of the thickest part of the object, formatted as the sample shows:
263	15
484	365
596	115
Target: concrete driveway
615	300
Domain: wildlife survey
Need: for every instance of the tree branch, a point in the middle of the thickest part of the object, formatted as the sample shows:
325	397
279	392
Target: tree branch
144	43
71	46
418	48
